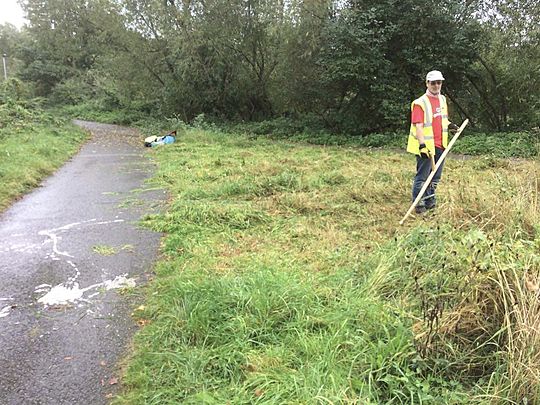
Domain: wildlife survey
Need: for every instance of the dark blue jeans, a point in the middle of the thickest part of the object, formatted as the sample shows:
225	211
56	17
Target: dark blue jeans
423	169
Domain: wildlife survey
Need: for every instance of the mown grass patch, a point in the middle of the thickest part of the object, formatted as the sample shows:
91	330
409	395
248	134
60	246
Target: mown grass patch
286	279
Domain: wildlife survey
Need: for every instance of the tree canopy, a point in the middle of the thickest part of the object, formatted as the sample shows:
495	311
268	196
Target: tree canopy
354	66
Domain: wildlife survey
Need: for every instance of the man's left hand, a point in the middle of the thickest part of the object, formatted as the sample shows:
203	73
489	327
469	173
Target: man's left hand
453	128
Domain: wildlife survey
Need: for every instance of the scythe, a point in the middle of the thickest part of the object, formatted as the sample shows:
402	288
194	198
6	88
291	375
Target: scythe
430	177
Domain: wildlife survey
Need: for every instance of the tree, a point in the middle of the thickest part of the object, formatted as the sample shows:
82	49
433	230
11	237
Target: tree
505	80
355	64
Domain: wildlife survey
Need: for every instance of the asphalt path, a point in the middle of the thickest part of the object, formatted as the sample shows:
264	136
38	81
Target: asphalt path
69	253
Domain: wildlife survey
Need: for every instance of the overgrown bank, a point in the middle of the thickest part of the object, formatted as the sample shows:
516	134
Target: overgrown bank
286	279
33	144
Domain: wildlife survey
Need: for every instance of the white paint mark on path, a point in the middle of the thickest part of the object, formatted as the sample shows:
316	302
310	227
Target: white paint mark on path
52	234
77	272
42	288
23	248
69	291
64	294
5	311
119	282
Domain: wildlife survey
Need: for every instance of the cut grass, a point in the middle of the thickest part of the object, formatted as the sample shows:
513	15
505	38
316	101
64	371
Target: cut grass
286	279
104	250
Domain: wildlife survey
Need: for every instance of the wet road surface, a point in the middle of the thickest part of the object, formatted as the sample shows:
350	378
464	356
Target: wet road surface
68	251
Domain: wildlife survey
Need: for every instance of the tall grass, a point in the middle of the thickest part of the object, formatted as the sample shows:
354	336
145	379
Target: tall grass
286	279
519	297
496	195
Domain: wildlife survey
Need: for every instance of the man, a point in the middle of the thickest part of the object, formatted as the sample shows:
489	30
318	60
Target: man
428	137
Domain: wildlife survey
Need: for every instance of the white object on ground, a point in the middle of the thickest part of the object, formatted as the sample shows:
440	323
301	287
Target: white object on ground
64	294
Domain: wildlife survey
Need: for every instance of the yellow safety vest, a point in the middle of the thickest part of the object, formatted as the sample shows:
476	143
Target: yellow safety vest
423	102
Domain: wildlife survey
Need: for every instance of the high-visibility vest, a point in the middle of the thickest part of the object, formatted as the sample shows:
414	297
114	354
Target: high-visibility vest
413	145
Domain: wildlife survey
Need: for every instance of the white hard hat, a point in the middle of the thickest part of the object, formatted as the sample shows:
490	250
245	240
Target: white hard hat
434	75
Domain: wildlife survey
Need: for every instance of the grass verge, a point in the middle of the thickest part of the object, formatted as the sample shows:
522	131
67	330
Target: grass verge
33	144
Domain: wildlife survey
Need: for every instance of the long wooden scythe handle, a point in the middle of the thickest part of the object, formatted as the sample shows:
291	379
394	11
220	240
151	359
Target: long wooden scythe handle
430	177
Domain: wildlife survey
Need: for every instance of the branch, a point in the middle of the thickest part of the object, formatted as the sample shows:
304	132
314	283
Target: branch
460	108
485	99
496	86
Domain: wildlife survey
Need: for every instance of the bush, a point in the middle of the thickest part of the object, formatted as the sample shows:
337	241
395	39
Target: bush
474	297
93	111
307	128
203	121
281	126
510	144
13	90
21	114
71	91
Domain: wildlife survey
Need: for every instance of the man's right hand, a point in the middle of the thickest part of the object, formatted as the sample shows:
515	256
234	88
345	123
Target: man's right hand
453	128
424	151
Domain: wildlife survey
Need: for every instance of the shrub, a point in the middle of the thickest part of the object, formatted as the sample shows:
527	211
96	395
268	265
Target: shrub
474	299
511	144
71	91
13	90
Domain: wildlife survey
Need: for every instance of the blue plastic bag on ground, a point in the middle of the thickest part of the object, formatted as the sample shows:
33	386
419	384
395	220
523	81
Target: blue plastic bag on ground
160	140
164	140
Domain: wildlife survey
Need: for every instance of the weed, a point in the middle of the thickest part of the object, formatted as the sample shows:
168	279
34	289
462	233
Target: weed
104	250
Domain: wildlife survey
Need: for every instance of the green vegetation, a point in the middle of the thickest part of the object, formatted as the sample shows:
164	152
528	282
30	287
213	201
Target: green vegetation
524	144
33	144
104	250
285	276
91	111
348	67
286	279
498	144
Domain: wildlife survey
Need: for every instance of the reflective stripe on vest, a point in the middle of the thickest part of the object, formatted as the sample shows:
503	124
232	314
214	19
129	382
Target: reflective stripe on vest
427	111
425	104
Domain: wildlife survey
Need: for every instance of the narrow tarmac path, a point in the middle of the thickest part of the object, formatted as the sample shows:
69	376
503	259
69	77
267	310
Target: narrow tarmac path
66	251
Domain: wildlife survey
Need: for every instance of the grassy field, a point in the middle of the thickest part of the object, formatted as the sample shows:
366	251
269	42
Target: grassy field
286	279
33	144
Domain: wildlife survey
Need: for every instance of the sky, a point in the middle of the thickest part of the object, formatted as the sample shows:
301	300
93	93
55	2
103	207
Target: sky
11	12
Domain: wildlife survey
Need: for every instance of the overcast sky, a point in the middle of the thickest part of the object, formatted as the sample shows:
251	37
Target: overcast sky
11	12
